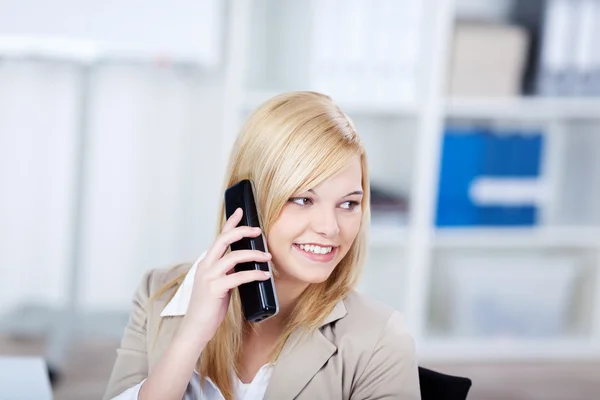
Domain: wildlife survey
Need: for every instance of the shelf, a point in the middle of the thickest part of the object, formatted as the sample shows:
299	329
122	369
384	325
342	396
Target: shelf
388	236
406	109
507	349
524	108
522	238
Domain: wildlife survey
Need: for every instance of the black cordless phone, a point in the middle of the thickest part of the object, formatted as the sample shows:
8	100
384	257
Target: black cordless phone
259	299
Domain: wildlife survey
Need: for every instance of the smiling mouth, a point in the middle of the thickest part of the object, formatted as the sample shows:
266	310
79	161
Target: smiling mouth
315	249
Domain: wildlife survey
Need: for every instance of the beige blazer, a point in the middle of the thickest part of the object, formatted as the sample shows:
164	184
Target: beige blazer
361	351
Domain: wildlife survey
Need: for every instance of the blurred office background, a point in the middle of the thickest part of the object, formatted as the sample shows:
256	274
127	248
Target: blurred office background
481	118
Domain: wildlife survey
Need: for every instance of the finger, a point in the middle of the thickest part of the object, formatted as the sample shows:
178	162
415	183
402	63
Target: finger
232	281
233	220
225	239
230	260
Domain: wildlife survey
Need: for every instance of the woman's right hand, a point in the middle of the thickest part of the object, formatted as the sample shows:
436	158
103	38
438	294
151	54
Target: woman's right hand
215	279
209	302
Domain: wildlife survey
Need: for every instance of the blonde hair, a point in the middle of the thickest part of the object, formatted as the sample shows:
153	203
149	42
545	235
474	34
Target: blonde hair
290	144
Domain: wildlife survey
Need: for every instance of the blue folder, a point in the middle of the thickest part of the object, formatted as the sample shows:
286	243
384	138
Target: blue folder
472	152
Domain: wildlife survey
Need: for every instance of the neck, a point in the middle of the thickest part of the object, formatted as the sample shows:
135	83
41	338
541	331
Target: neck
288	292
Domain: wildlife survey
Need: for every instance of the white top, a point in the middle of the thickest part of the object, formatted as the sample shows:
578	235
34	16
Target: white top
178	306
243	391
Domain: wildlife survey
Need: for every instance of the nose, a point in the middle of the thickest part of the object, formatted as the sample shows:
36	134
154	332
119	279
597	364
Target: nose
325	222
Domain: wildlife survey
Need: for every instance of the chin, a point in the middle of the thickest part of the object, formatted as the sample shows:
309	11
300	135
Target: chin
303	274
311	274
302	271
314	279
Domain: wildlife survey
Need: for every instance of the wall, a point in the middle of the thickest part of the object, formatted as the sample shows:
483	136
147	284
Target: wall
153	170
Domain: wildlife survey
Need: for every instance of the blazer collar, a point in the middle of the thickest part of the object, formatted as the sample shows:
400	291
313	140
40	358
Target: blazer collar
303	354
178	305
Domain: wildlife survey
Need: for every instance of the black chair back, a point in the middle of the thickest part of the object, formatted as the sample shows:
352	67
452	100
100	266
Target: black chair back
438	386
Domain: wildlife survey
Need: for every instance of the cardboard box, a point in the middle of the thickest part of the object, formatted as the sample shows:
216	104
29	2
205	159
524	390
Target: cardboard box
487	60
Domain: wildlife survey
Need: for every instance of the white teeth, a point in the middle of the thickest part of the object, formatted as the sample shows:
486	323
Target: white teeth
315	249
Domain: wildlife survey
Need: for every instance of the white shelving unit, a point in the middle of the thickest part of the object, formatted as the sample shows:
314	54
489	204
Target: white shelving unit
468	350
412	131
407	109
385	236
517	238
524	109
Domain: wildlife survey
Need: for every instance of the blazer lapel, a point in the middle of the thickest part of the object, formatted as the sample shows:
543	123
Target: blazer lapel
161	339
301	358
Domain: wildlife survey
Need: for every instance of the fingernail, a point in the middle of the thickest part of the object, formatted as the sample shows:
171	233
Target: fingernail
267	273
268	254
238	210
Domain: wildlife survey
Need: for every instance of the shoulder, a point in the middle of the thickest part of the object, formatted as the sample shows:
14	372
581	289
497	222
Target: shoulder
377	350
371	326
368	315
160	283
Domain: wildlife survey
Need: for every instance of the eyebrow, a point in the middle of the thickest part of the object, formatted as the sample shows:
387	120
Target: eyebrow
356	192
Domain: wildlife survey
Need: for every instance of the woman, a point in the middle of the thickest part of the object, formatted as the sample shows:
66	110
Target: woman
187	338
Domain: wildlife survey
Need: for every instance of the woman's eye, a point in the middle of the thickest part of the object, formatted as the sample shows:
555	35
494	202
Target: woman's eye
350	205
302	201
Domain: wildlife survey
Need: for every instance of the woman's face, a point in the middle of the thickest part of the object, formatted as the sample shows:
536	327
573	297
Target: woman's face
316	228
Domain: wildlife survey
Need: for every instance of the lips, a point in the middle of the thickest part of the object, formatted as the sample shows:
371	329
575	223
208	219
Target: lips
309	251
316	249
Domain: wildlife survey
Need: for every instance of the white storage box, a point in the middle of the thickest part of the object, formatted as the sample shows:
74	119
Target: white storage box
524	296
